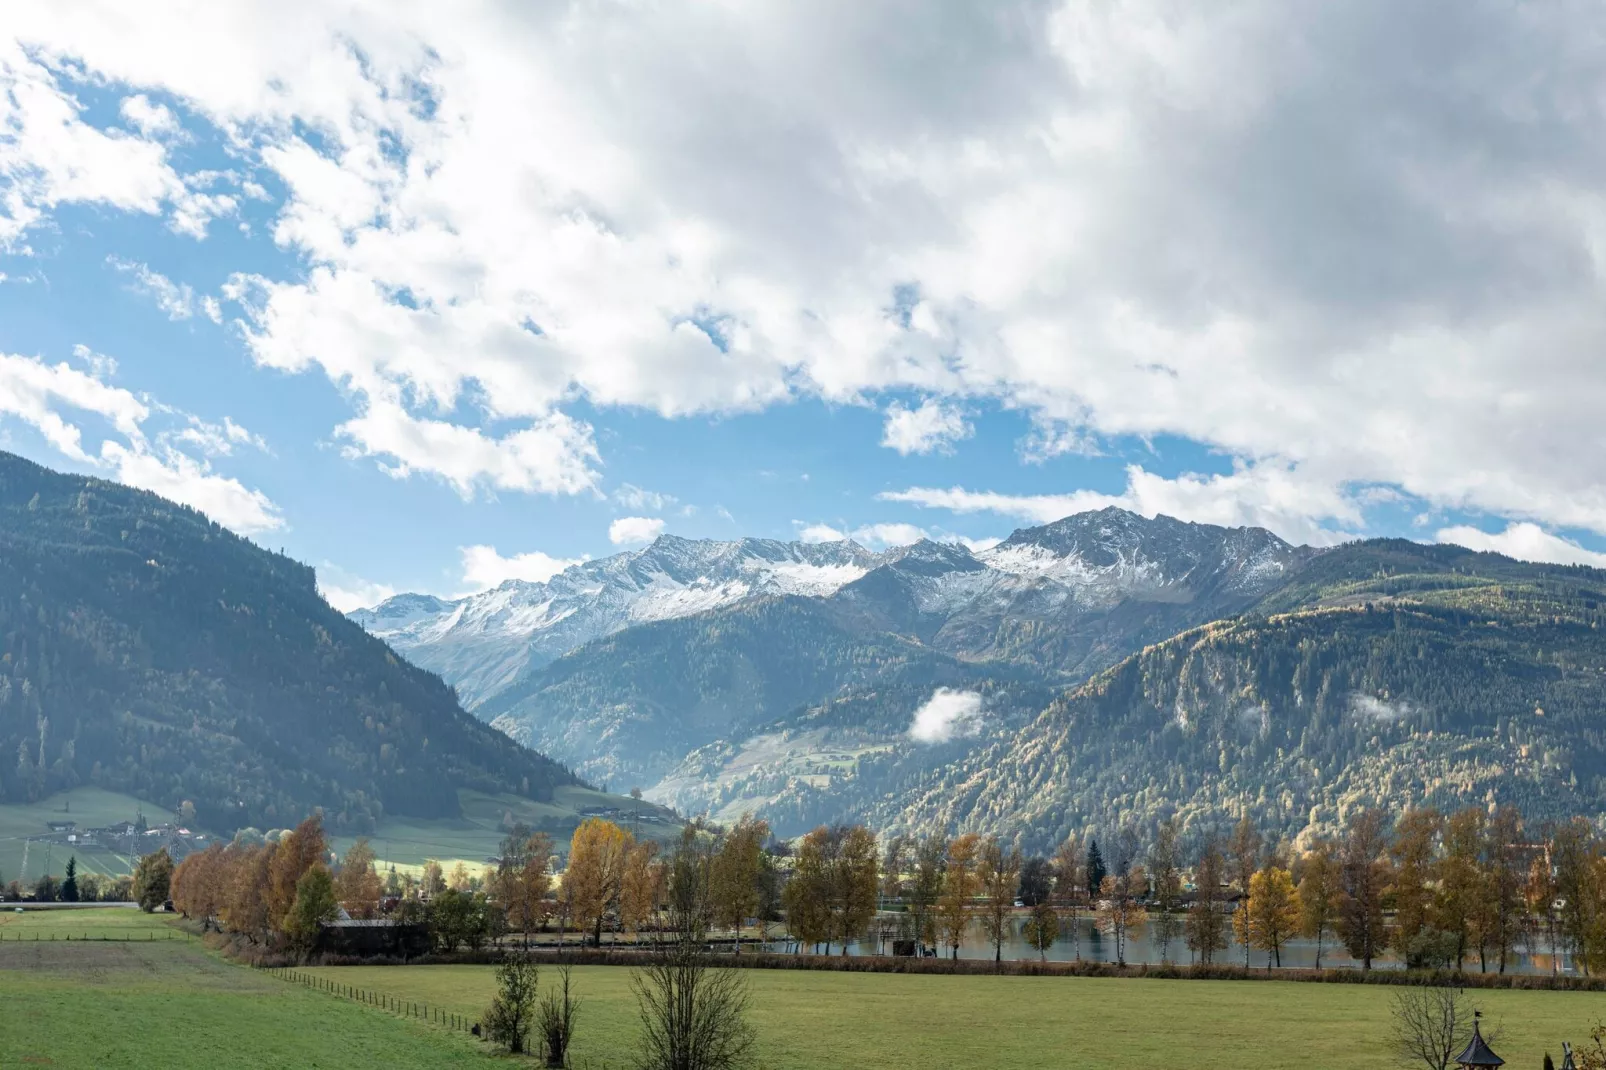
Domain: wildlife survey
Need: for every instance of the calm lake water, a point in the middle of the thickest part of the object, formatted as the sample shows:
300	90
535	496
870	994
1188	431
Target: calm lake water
1140	948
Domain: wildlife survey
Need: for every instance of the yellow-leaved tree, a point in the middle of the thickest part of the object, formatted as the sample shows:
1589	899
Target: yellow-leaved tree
357	885
1273	911
595	877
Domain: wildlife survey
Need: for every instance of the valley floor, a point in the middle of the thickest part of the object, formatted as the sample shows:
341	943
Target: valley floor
138	993
160	999
818	1020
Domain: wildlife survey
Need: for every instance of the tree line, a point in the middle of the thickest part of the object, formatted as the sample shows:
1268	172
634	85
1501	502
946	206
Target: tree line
1435	889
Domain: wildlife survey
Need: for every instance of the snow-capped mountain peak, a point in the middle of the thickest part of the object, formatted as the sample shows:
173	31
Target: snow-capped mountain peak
482	641
940	591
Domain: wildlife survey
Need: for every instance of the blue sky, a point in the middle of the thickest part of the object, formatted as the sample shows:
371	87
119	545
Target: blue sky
427	323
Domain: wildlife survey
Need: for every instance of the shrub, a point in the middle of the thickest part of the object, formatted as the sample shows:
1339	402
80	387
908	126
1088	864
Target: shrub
512	1012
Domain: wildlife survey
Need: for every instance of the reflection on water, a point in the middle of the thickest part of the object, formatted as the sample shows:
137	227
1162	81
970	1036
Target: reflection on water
1141	949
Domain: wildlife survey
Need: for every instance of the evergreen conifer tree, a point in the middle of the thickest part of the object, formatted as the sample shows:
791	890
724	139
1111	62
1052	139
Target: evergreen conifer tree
69	886
1096	871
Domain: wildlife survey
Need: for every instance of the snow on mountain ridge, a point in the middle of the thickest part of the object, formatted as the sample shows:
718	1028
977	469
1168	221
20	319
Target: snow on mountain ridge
1090	561
482	641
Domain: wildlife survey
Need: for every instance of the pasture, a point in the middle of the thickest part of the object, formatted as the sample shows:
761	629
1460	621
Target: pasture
170	1003
155	1001
808	1020
89	807
477	835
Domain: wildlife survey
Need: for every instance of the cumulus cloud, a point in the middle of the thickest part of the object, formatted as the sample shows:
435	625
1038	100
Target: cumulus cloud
347	591
1036	202
1526	542
947	714
821	533
56	400
184	479
930	428
1272	496
148	117
878	536
888	534
634	530
484	568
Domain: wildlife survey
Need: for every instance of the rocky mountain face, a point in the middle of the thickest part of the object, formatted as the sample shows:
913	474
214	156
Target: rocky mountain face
1101	670
1383	673
482	643
645	667
1074	596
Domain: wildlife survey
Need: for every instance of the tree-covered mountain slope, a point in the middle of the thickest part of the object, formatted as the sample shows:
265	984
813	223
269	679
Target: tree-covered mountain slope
630	706
145	649
1382	672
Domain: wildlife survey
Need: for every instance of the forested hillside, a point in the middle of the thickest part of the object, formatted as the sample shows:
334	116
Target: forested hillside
630	706
1383	673
145	649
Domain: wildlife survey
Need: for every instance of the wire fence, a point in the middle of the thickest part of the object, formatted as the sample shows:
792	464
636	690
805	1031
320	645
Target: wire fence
382	1000
417	1011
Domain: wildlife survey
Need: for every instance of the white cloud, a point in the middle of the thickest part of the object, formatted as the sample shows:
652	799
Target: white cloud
1371	709
1040	203
216	440
932	427
177	300
54	400
1526	542
1275	497
553	454
633	497
484	568
821	533
633	530
149	118
347	591
947	714
184	479
879	536
887	534
34	392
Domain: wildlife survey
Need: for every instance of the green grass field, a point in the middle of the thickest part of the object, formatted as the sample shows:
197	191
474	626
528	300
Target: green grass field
818	1020
169	1003
89	807
478	834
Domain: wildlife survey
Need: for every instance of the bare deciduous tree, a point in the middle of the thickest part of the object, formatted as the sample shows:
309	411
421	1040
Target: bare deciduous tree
554	1019
1432	1023
693	1017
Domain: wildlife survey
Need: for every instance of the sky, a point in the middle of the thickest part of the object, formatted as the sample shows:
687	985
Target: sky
432	296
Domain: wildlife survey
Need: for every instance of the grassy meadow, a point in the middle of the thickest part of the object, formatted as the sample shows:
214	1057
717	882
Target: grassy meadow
814	1020
408	842
89	807
155	1001
170	1003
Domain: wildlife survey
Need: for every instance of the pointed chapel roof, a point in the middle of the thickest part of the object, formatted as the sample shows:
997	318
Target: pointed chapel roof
1477	1053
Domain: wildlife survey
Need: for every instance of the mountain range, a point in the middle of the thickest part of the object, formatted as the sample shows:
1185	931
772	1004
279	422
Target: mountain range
1101	669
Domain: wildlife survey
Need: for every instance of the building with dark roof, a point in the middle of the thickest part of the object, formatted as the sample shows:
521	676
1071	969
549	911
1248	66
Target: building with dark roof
1477	1053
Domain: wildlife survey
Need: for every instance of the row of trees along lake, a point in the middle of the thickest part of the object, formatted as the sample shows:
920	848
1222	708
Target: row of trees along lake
1466	889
